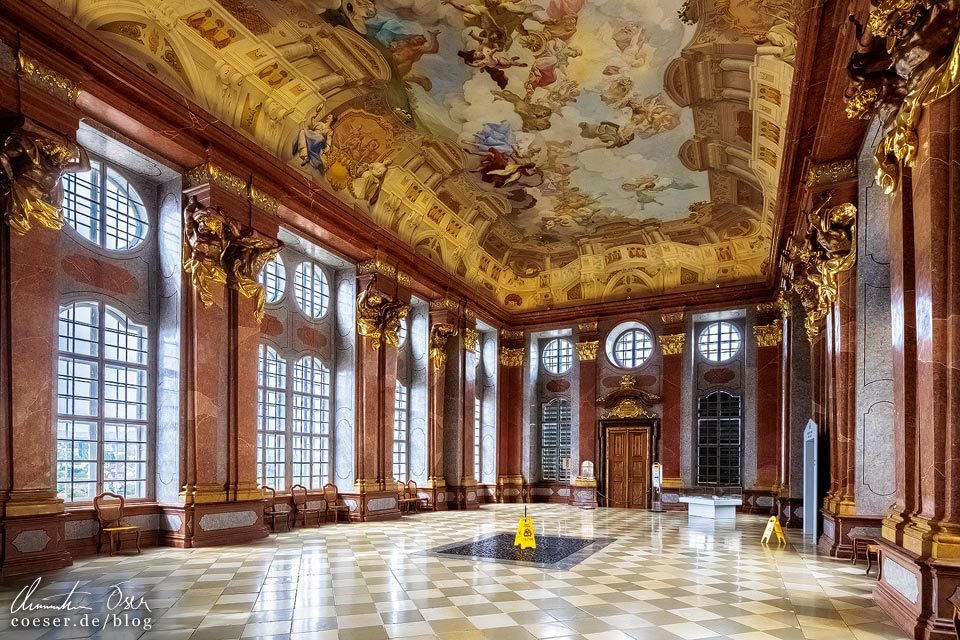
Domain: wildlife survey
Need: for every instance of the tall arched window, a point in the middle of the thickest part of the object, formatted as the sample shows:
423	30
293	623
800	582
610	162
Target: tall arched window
102	403
718	439
311	422
401	433
271	418
555	428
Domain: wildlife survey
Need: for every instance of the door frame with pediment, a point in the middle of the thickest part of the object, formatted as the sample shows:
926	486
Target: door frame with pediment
627	409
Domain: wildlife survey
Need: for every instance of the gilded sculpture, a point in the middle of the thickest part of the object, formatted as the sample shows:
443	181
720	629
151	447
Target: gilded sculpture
217	249
769	335
907	57
30	187
814	265
511	357
471	339
379	316
439	334
587	350
672	345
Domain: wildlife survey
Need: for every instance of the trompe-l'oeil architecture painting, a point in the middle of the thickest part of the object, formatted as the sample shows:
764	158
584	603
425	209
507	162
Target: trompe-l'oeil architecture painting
546	152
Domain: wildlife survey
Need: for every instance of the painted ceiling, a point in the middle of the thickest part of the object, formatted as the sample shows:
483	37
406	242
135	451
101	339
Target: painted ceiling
548	152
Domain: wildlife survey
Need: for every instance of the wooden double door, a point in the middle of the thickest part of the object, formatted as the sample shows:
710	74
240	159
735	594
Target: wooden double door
628	456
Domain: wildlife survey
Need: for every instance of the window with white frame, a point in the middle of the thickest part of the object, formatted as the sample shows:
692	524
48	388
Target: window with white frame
103	403
632	348
311	290
558	356
273	277
555	434
718	439
104	208
719	341
272	418
401	433
310	437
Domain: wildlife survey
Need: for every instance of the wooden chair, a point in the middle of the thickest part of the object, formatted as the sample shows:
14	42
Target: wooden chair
332	496
109	508
405	502
421	504
273	511
301	506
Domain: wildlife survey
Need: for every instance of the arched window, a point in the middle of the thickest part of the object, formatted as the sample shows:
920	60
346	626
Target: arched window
311	290
273	277
102	403
555	427
632	348
718	439
104	208
719	341
558	356
271	418
401	435
311	422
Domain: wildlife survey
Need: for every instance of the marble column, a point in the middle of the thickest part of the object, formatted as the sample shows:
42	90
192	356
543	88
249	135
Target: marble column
460	412
672	346
443	323
584	492
510	484
375	492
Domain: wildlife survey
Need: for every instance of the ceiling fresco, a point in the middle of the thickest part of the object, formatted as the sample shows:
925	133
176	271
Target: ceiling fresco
548	152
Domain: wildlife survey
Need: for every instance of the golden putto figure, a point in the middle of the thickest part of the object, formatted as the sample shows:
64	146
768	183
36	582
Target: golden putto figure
30	188
216	248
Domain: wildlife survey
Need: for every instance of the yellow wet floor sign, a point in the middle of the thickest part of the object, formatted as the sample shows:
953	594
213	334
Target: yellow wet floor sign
525	538
773	526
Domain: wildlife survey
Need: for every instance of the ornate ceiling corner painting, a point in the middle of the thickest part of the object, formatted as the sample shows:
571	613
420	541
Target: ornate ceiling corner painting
550	152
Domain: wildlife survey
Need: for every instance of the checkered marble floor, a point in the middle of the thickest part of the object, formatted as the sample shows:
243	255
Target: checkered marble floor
664	578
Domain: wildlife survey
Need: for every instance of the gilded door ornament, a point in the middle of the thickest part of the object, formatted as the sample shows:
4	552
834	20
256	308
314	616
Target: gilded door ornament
672	345
217	249
587	350
471	339
907	57
511	357
769	335
379	316
439	334
815	264
30	187
627	408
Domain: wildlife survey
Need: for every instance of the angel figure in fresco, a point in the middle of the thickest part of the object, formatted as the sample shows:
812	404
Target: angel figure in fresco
508	14
550	64
501	169
31	167
534	116
408	50
648	117
367	186
630	38
645	186
493	62
313	144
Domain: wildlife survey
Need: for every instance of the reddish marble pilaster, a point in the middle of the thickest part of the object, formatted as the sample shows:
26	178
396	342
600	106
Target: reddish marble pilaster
672	346
583	494
510	482
242	478
769	336
462	404
785	509
441	319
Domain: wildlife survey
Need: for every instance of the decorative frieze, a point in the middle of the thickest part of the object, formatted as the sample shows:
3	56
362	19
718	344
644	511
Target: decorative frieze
674	317
672	345
379	316
231	183
587	350
446	304
439	334
769	335
47	79
587	327
512	357
377	267
830	173
780	305
31	167
508	334
218	249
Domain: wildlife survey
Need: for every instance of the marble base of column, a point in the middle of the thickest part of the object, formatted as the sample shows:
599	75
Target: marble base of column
510	489
670	489
436	493
837	528
203	494
240	491
372	505
914	592
34	543
789	510
464	495
211	524
583	493
760	501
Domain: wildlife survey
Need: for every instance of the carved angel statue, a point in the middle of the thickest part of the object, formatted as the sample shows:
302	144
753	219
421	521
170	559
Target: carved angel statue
216	248
379	316
30	187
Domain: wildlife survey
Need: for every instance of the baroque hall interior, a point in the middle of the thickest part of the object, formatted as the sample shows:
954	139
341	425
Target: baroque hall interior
303	303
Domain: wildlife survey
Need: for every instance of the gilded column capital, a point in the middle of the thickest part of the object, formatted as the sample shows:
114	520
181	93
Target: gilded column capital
471	339
587	327
217	249
672	345
379	316
781	305
439	334
512	357
231	183
377	267
587	350
769	335
508	334
31	167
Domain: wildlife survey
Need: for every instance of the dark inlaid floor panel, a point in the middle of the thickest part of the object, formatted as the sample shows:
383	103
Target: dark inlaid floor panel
553	552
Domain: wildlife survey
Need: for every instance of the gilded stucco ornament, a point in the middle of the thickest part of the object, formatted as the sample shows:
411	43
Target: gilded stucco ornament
471	338
45	78
379	316
779	305
217	249
815	263
587	350
769	335
512	357
907	57
31	167
627	408
672	345
439	334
